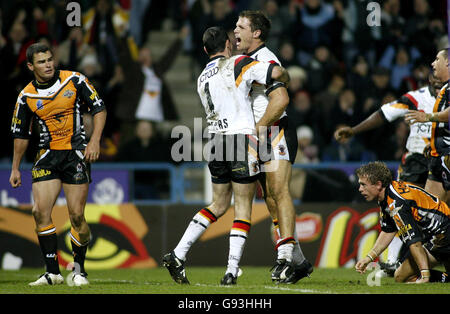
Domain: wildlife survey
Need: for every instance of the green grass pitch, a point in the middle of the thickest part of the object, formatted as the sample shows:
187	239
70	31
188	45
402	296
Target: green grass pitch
205	280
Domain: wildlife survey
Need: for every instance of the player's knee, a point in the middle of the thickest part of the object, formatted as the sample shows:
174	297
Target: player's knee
39	216
399	276
77	220
279	192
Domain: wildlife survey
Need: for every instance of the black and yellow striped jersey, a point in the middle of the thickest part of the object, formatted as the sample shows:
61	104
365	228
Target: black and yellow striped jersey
416	214
440	133
56	107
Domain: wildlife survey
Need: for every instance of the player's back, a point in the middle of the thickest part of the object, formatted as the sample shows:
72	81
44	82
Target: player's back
420	99
223	87
429	212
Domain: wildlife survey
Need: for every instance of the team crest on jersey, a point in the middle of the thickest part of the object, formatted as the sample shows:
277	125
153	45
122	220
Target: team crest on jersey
68	93
282	150
39	104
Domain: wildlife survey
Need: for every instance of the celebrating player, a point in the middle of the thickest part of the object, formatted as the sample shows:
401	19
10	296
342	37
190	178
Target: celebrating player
252	29
54	100
223	87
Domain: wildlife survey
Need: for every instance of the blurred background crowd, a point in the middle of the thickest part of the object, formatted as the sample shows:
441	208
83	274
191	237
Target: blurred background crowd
342	67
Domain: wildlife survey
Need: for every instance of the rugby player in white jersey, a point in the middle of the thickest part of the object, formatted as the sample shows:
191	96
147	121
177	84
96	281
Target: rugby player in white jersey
414	165
224	86
251	32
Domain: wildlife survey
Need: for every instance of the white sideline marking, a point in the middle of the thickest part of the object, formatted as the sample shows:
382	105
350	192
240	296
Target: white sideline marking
274	288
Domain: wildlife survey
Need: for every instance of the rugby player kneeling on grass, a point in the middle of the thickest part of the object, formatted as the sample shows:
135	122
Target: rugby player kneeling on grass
421	219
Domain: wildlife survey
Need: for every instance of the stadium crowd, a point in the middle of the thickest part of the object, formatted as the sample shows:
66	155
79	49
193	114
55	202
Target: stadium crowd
342	67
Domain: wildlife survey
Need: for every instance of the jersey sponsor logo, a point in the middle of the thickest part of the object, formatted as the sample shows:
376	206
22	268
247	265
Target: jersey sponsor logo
16	120
208	74
68	93
93	95
39	173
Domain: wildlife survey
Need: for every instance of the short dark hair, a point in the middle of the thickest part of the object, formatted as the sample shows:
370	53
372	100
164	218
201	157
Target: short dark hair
258	21
214	39
445	52
36	48
376	171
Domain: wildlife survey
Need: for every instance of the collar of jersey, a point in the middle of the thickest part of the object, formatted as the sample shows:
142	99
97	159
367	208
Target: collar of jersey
47	84
254	51
216	57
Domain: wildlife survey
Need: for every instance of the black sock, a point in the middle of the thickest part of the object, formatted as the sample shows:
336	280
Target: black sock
48	244
438	276
78	251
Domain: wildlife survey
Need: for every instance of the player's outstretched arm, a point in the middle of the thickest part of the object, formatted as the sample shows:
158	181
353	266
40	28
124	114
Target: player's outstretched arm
373	121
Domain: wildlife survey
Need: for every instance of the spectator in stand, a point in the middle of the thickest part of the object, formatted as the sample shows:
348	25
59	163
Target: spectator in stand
72	50
417	29
358	78
400	62
358	38
147	146
320	68
299	78
204	14
379	85
287	54
279	23
14	77
308	151
144	93
393	24
301	113
325	100
347	151
316	23
419	78
137	14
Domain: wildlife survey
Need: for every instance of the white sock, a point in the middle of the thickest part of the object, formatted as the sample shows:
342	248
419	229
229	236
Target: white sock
238	237
394	249
196	228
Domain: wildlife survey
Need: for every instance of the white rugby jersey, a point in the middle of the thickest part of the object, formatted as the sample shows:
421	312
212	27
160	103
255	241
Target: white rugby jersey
260	91
420	133
224	87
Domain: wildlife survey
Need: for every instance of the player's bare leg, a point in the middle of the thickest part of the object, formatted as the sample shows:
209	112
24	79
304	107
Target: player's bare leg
45	194
243	199
409	271
76	196
175	260
289	250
